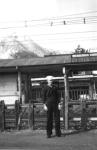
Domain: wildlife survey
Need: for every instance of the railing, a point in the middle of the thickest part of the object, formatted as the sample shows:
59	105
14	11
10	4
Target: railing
84	54
78	94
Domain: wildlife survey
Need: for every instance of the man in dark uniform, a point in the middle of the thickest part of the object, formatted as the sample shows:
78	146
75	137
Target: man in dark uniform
52	106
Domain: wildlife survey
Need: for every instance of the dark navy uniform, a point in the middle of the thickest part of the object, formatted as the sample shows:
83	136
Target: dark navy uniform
51	100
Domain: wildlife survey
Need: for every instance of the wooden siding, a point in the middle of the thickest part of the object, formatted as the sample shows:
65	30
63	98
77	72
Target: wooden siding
8	88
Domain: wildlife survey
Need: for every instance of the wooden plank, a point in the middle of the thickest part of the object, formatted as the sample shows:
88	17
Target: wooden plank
65	103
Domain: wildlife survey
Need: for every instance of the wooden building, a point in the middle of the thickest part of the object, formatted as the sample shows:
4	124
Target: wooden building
22	79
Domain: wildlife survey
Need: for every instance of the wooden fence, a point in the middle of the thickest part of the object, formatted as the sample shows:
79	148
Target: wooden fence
81	115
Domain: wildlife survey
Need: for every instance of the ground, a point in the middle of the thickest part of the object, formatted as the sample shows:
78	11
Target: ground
36	140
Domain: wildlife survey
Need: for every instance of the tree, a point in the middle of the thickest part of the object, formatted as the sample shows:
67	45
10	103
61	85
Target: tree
80	50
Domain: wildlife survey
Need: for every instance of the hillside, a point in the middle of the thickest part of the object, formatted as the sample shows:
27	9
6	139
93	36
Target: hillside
12	47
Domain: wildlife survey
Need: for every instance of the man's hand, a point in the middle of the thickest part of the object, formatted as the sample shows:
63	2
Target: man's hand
59	106
45	107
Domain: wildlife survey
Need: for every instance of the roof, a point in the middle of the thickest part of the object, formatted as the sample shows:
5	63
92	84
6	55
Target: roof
34	61
68	59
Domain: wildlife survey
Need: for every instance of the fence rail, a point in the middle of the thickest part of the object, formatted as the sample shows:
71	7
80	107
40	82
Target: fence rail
81	113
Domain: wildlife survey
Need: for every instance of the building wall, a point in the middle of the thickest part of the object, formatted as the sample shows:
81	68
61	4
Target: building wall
8	88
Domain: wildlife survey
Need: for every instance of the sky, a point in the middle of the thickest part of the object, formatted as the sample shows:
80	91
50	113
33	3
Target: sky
35	19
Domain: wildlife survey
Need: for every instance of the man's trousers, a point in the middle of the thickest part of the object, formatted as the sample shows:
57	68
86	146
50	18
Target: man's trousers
53	113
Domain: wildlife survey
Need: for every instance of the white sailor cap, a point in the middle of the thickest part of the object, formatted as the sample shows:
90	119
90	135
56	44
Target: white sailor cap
49	78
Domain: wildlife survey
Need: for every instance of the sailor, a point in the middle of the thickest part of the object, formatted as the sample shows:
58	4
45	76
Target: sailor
52	106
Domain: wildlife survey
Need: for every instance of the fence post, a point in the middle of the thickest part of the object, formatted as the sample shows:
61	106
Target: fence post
2	115
66	99
17	111
31	115
84	116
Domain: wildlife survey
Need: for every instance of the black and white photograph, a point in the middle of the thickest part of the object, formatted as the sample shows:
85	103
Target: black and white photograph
48	74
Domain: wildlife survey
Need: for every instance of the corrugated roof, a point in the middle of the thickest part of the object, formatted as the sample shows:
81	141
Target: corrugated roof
50	60
34	61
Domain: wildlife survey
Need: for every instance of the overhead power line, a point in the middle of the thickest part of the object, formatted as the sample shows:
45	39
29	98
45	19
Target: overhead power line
58	21
50	34
73	15
61	40
54	18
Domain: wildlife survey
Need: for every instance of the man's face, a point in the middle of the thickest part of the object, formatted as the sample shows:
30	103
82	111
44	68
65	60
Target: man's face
49	82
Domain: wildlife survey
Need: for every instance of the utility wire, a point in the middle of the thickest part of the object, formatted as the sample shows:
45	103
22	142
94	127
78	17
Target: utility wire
53	18
64	21
57	38
51	34
54	40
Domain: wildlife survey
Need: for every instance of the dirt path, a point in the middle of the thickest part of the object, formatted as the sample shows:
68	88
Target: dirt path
38	141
